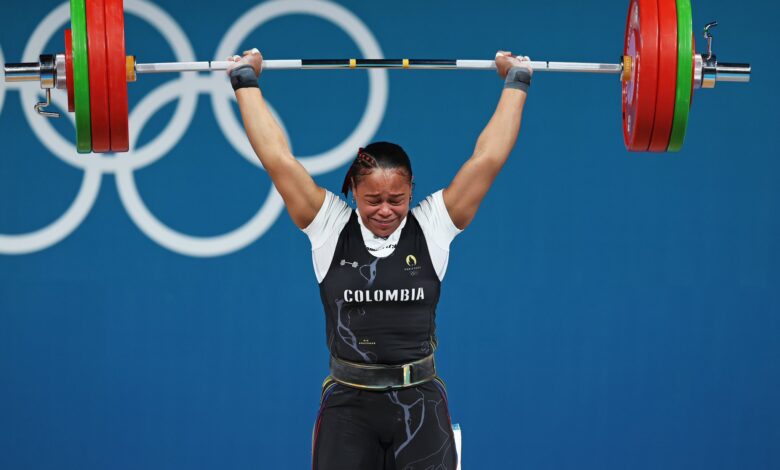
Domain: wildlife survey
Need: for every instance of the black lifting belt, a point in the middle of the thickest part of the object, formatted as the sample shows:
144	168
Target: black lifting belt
382	376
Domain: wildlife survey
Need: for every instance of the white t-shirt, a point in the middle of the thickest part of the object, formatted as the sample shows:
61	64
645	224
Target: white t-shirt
431	213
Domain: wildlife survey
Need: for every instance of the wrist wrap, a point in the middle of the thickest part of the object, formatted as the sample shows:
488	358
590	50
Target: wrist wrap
243	76
518	78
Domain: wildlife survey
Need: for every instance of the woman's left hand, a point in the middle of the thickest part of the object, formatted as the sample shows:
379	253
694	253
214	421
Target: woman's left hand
505	61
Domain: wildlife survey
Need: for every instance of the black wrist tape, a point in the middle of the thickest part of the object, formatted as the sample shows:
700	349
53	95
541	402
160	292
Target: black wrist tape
243	76
518	78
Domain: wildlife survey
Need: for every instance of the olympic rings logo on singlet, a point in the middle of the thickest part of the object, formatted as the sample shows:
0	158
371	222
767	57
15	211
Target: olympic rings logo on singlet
186	89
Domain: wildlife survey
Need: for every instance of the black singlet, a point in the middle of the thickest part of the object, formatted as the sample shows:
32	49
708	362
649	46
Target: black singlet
381	310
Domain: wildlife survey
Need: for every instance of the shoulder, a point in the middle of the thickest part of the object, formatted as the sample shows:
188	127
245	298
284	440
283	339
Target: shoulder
432	215
330	219
438	228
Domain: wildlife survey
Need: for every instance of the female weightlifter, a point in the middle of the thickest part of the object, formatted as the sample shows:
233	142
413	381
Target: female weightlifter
379	269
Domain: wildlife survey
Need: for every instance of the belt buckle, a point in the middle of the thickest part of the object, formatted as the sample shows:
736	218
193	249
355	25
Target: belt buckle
407	372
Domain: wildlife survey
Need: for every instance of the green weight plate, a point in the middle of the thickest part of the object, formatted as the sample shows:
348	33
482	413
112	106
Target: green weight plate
78	21
682	103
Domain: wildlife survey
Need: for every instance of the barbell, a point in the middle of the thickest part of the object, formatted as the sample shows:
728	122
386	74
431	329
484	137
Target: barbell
659	71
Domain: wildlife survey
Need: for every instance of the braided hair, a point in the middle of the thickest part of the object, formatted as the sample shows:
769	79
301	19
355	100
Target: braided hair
379	155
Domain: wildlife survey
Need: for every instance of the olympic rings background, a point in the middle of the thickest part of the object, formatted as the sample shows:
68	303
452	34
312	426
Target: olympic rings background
158	309
187	87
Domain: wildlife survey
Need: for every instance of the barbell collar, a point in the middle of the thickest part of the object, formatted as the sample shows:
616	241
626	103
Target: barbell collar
48	71
61	66
709	70
698	70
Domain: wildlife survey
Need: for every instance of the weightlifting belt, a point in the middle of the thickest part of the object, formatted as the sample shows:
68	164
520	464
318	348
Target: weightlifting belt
382	376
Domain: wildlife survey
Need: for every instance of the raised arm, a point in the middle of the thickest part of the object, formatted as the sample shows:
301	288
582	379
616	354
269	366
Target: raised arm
470	185
301	194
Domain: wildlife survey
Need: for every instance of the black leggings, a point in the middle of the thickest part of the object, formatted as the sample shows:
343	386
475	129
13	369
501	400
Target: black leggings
406	429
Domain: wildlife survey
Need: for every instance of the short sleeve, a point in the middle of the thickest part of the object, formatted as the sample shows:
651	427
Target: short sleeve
438	228
324	230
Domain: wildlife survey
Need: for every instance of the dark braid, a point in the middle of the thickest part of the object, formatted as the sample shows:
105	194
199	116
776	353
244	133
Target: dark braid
377	155
362	162
366	159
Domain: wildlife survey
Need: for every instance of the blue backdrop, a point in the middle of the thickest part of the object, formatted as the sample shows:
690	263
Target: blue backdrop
605	310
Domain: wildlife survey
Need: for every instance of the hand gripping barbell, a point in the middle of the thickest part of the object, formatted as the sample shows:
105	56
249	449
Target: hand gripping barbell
659	70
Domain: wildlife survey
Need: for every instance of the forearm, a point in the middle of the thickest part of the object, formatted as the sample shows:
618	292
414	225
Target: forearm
464	195
300	193
264	133
499	136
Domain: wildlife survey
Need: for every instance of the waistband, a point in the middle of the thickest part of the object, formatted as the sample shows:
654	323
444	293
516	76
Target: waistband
382	376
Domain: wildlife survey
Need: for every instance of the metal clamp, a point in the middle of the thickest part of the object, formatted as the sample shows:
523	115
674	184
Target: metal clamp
708	36
39	107
710	65
46	72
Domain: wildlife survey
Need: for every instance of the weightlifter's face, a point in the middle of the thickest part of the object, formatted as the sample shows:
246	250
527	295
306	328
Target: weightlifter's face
382	198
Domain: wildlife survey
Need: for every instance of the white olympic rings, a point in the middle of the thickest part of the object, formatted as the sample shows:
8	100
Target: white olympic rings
186	89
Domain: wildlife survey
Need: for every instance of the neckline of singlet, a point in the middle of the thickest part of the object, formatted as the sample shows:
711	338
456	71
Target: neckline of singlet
399	231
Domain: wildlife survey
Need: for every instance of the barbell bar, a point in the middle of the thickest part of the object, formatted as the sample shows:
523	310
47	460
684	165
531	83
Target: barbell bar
332	64
659	69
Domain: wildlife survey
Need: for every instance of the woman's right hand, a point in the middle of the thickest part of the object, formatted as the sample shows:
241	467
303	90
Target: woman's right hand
252	58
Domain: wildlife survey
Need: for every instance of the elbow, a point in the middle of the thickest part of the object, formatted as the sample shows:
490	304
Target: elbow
274	159
491	159
494	151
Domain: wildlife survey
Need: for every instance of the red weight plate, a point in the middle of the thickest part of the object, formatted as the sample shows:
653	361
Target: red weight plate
69	69
667	76
98	73
639	92
117	75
